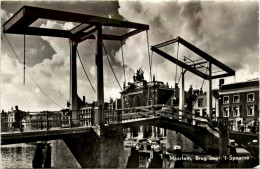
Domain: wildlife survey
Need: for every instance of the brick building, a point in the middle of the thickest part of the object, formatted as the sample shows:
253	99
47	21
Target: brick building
240	103
143	93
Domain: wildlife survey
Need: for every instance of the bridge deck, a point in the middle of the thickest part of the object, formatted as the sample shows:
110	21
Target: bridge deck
40	135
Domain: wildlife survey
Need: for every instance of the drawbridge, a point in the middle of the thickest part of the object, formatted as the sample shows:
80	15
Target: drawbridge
198	129
90	27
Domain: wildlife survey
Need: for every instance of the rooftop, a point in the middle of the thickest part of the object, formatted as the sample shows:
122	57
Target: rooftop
231	86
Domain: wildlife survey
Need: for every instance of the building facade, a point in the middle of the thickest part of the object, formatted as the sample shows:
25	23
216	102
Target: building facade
199	107
240	103
143	93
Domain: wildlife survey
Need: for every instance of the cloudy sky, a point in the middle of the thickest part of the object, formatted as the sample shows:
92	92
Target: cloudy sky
226	30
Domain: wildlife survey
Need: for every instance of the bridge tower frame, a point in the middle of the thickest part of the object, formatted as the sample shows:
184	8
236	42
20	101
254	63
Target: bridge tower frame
193	68
89	27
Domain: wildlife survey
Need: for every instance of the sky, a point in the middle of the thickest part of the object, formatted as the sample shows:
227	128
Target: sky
226	30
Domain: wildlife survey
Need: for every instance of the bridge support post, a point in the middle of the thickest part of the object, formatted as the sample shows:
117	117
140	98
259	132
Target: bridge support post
223	139
73	82
100	81
209	92
182	95
111	147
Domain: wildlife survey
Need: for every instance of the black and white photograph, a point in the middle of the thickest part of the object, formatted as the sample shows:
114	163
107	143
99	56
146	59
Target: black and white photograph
129	84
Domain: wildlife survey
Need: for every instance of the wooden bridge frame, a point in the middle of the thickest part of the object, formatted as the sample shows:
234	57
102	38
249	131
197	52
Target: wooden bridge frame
89	25
194	67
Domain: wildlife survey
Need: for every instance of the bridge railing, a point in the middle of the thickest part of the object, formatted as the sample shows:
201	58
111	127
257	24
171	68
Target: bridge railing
131	113
187	117
45	120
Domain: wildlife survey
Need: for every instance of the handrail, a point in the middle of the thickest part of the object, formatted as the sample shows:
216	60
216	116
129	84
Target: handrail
30	121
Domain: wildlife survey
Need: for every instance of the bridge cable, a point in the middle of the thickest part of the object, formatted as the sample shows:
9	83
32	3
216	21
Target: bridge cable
111	66
30	75
24	59
150	64
176	63
85	71
176	71
203	78
174	94
114	73
235	80
150	59
123	60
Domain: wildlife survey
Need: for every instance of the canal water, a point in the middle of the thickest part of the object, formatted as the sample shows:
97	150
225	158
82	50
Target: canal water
157	149
17	155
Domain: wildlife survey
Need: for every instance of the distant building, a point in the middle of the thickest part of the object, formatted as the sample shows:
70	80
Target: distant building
4	121
240	102
143	93
199	107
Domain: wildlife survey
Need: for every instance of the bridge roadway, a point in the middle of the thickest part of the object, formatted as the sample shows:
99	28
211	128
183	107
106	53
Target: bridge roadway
40	135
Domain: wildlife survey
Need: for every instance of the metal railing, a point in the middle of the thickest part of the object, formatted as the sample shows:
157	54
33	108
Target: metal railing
45	120
124	114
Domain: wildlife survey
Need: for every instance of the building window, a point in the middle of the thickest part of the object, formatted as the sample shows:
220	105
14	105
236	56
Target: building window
225	112
236	99
250	110
250	97
236	111
197	112
225	99
214	111
200	102
204	112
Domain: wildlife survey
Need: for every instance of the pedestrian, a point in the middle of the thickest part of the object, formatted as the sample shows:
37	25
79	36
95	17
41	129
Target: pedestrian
17	118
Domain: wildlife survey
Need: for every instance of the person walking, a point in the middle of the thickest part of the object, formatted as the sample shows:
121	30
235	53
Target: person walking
17	119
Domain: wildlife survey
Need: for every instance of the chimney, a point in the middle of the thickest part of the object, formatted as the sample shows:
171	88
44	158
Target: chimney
84	99
221	82
201	91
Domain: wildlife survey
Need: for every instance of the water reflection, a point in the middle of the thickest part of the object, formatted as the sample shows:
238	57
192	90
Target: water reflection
17	155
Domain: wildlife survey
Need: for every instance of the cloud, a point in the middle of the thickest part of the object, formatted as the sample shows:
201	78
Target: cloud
52	75
93	71
227	31
5	16
47	60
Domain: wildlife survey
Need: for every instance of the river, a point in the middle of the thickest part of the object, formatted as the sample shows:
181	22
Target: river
21	155
17	155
